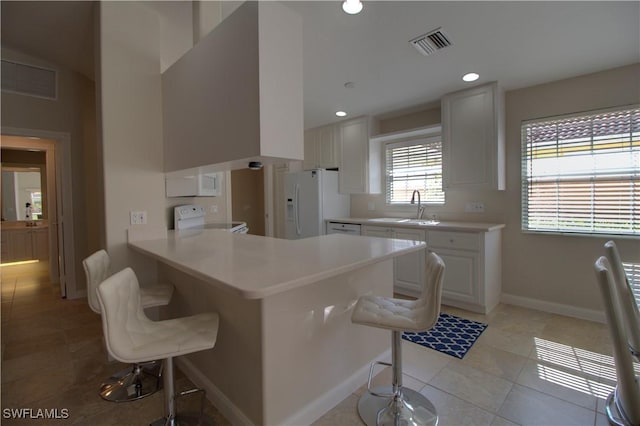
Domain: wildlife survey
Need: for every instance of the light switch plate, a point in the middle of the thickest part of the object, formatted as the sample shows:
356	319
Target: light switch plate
371	205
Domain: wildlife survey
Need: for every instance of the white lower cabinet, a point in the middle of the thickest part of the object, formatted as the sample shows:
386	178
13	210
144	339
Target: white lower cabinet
472	277
25	244
408	270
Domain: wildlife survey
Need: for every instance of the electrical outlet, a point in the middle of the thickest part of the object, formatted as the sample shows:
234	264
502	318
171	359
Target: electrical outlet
474	207
371	205
138	218
214	208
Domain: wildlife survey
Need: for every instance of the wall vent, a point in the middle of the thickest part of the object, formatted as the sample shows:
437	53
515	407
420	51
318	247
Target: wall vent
29	80
431	42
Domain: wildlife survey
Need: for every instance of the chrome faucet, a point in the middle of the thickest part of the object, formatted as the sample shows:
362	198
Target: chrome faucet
420	207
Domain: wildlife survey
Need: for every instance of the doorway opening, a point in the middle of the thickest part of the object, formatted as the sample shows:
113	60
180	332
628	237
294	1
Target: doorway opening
46	234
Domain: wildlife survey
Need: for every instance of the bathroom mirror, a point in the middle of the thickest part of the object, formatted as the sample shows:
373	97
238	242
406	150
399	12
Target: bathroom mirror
21	185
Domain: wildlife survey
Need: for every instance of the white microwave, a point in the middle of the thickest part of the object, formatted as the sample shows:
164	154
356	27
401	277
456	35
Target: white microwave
199	185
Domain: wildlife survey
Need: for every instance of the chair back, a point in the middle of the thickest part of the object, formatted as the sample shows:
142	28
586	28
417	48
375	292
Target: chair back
431	292
97	268
124	323
627	392
626	298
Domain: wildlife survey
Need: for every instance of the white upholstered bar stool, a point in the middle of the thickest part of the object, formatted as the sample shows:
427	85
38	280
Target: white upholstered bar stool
132	337
395	404
628	305
623	404
139	380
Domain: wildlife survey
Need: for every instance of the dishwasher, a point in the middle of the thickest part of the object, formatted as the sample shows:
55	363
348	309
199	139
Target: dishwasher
343	228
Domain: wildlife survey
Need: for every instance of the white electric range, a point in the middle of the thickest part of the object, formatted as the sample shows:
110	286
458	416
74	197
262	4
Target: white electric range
191	216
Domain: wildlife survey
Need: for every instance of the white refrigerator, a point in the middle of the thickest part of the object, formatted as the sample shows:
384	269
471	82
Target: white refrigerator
311	197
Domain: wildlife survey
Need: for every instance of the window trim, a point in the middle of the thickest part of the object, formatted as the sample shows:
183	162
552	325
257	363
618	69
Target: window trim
524	180
415	138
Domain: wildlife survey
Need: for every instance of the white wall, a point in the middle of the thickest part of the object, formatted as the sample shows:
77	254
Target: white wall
558	269
131	125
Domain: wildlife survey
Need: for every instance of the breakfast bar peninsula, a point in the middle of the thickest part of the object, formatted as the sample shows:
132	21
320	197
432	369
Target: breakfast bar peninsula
287	351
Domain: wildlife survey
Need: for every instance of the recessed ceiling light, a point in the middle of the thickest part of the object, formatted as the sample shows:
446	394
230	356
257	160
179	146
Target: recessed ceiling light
352	7
341	113
472	76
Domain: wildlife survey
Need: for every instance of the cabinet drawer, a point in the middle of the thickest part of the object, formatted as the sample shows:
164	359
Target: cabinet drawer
454	240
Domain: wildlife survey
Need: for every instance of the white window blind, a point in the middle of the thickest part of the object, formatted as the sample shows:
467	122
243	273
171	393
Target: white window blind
581	174
414	165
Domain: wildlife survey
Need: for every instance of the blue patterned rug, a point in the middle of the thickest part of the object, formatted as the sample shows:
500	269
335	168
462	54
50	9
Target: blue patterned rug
451	335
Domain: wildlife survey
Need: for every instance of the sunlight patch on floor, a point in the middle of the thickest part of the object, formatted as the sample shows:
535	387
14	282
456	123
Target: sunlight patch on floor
21	262
578	369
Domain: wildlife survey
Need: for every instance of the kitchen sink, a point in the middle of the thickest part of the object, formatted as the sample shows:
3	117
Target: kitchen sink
390	219
424	222
405	220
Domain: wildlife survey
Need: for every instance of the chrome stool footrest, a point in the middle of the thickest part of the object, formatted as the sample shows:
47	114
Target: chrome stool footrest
187	419
373	364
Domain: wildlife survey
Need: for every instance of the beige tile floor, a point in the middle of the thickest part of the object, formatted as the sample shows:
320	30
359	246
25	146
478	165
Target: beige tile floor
528	367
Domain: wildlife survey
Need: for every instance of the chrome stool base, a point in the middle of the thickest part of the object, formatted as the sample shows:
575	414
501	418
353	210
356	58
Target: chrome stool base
613	408
412	408
136	382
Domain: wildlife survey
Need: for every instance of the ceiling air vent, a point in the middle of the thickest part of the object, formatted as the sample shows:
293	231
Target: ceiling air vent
431	42
28	80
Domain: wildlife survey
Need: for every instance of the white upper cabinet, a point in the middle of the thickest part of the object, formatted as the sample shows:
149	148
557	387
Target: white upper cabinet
359	160
321	149
473	138
236	96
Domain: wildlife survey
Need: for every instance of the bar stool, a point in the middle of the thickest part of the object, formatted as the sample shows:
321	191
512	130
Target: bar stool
139	380
623	404
627	300
395	404
132	337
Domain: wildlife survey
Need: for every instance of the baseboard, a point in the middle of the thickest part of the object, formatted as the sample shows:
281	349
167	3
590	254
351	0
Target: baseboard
214	395
554	308
304	416
320	406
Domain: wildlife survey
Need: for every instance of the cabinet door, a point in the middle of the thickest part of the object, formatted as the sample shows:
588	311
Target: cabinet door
460	275
20	247
377	231
354	154
40	243
409	268
470	139
310	149
326	147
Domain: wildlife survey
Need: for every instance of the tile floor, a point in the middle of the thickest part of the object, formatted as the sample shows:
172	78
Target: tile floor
528	367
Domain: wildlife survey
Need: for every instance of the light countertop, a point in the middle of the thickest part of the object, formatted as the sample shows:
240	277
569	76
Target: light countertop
22	224
257	267
423	224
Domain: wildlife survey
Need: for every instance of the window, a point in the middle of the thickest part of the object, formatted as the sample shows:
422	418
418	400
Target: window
581	174
411	165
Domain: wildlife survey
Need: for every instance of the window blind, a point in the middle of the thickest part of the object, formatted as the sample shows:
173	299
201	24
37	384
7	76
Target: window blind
582	173
414	165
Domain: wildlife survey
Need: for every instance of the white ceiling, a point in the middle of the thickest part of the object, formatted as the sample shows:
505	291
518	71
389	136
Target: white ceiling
516	43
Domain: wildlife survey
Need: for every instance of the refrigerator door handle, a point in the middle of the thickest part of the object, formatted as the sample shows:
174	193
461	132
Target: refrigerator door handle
297	209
